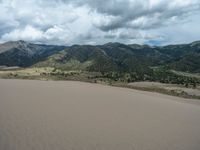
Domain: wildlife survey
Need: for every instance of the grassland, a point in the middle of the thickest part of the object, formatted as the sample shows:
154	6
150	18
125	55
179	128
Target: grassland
50	73
170	89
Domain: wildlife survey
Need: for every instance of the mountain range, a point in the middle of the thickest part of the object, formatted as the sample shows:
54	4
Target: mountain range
109	57
24	54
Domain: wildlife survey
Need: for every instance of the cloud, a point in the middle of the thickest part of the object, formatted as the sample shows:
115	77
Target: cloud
96	21
144	14
28	33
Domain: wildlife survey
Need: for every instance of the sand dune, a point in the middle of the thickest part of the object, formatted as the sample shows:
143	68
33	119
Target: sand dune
66	115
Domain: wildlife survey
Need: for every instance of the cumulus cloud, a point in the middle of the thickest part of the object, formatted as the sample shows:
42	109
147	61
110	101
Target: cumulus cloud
28	33
144	14
95	21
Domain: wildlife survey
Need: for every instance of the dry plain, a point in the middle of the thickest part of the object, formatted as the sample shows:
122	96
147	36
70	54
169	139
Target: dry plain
69	115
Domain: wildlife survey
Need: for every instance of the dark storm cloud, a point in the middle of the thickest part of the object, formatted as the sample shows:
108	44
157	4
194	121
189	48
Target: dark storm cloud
137	14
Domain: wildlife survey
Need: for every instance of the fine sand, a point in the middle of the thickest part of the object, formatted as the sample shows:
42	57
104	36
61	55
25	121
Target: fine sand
66	115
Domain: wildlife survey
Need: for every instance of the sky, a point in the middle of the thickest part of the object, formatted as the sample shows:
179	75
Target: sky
68	22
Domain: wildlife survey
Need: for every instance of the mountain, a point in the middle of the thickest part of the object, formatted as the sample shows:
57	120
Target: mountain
84	57
127	58
116	57
24	54
104	58
185	57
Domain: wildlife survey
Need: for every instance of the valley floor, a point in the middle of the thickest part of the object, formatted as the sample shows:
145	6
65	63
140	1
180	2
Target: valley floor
170	89
83	116
48	73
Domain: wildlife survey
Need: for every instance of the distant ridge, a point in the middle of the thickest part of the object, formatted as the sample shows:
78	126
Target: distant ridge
108	57
24	54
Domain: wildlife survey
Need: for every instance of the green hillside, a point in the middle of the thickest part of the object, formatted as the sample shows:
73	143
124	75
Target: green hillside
114	61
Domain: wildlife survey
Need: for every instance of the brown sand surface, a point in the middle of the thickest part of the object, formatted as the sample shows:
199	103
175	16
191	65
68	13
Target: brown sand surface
67	115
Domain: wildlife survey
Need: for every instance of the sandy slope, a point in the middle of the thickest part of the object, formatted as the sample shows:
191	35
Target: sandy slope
49	115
